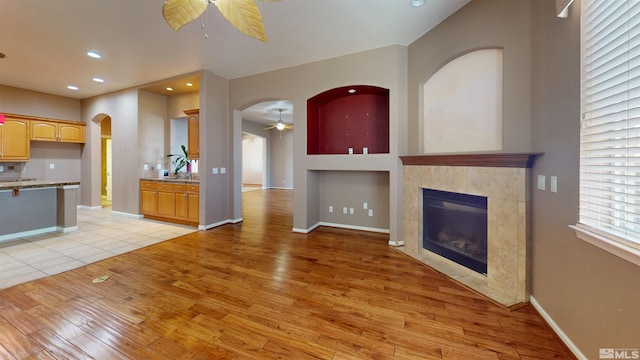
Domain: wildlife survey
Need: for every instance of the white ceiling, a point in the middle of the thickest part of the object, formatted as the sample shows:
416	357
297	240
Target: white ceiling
45	42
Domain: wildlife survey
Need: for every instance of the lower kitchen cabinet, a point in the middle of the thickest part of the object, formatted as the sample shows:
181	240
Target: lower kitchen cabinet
167	201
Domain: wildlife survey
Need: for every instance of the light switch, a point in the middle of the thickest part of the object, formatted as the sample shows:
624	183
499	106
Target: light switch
52	166
1	168
344	210
553	183
214	170
542	182
370	212
223	170
365	206
330	208
351	211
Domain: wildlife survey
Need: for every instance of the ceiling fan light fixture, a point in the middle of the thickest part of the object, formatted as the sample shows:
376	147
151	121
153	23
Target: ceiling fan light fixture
280	125
417	3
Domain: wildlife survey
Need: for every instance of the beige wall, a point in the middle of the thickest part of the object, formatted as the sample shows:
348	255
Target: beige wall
122	108
26	102
152	132
385	67
592	295
480	24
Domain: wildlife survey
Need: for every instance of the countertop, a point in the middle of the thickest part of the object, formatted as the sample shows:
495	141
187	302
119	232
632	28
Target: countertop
9	184
172	180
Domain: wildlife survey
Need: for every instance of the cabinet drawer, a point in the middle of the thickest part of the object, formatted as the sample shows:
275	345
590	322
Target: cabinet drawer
164	186
148	185
187	187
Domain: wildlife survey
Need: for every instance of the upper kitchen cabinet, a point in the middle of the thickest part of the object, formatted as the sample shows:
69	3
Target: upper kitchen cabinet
14	140
193	133
55	130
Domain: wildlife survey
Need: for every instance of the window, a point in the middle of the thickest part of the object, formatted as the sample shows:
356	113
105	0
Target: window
610	127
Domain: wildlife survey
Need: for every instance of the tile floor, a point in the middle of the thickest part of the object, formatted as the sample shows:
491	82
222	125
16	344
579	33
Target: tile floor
101	234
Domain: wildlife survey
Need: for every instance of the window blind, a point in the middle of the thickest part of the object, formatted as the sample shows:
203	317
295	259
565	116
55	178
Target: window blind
610	124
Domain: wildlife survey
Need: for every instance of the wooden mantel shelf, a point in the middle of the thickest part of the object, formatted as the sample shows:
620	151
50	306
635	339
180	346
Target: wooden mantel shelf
512	160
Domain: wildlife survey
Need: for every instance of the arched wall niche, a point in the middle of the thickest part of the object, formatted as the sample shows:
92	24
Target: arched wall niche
461	104
349	117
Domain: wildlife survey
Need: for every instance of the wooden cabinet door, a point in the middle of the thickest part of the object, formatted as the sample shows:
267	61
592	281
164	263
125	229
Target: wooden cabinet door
14	142
194	207
44	130
71	133
193	133
166	203
148	203
182	205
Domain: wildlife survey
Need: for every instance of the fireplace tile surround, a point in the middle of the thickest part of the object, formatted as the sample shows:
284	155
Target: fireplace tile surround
505	180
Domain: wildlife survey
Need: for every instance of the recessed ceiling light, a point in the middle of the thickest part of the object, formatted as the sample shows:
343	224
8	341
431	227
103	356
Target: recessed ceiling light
170	88
417	3
97	79
94	54
72	87
352	91
189	84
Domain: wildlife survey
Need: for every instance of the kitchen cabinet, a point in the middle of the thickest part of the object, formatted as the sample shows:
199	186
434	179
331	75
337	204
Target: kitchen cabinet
193	133
62	131
14	140
169	201
187	200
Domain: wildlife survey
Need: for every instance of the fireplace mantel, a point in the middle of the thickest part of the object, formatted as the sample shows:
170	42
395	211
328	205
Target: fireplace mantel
512	160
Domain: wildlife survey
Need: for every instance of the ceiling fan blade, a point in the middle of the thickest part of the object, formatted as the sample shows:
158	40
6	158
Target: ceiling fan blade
244	15
180	12
270	127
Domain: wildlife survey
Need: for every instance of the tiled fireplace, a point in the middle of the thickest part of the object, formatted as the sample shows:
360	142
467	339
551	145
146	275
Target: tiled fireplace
504	179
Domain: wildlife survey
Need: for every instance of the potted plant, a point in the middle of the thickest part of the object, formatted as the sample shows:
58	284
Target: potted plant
180	161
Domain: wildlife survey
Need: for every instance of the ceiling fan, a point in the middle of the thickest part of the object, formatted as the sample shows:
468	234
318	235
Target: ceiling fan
279	125
243	14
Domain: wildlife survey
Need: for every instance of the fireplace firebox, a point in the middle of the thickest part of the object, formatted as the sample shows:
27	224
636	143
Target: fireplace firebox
455	227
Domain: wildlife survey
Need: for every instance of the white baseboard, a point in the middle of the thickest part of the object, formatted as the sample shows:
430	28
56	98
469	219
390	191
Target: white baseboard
66	229
17	235
565	339
86	207
211	226
342	226
130	215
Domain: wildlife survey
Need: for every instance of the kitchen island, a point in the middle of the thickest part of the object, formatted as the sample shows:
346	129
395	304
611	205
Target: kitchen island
31	207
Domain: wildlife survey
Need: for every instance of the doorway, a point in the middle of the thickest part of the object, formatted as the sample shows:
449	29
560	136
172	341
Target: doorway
106	163
253	162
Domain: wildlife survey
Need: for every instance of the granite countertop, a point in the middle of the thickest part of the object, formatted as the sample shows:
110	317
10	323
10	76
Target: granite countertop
171	180
8	184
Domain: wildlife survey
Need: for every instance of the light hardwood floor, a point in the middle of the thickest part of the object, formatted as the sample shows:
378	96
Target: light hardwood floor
255	290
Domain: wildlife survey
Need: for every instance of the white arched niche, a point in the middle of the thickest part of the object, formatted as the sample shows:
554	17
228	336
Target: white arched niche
462	104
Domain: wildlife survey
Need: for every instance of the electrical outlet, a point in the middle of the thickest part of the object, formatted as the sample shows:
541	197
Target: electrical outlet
223	170
370	212
365	206
344	210
351	211
52	166
553	184
214	170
